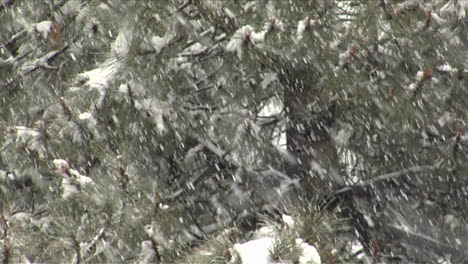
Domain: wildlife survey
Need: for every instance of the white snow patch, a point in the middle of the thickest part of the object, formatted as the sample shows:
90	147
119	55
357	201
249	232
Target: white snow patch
255	251
288	220
238	38
100	78
264	231
258	252
270	109
159	43
301	26
243	35
72	179
194	49
268	79
84	116
419	75
121	45
229	13
411	87
258	37
309	253
44	28
369	221
447	68
156	234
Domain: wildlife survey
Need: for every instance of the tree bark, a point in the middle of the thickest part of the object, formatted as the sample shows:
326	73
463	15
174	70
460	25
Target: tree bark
310	117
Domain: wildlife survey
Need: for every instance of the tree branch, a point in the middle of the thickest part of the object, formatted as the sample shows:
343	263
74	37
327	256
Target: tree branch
14	38
389	176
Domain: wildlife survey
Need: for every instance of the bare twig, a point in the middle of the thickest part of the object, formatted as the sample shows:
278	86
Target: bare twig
76	248
14	38
184	5
389	176
218	151
418	238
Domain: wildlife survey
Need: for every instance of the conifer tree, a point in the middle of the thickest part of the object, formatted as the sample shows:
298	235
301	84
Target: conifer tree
132	131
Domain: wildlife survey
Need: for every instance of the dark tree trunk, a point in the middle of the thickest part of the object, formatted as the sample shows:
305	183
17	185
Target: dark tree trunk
310	116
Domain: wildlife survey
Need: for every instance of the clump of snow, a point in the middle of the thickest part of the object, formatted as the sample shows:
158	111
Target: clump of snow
309	253
258	252
44	28
447	68
28	138
102	76
84	116
244	35
122	43
72	180
193	50
412	87
288	220
229	13
159	43
238	38
302	26
419	75
157	235
264	231
255	251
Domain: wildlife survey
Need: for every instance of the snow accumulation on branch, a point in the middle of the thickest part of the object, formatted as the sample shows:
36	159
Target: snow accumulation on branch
72	180
261	249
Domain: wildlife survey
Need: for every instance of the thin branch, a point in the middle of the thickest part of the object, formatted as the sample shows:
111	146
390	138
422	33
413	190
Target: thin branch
76	248
219	152
42	62
201	108
418	239
389	176
14	38
154	51
96	239
385	9
184	5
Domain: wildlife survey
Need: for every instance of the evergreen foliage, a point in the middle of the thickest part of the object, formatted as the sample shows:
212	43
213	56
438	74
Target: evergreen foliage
134	131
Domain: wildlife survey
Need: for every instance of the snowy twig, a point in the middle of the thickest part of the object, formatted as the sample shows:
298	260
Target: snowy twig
184	5
158	51
96	239
389	176
219	152
383	4
76	248
417	238
11	60
14	38
200	107
209	76
41	62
